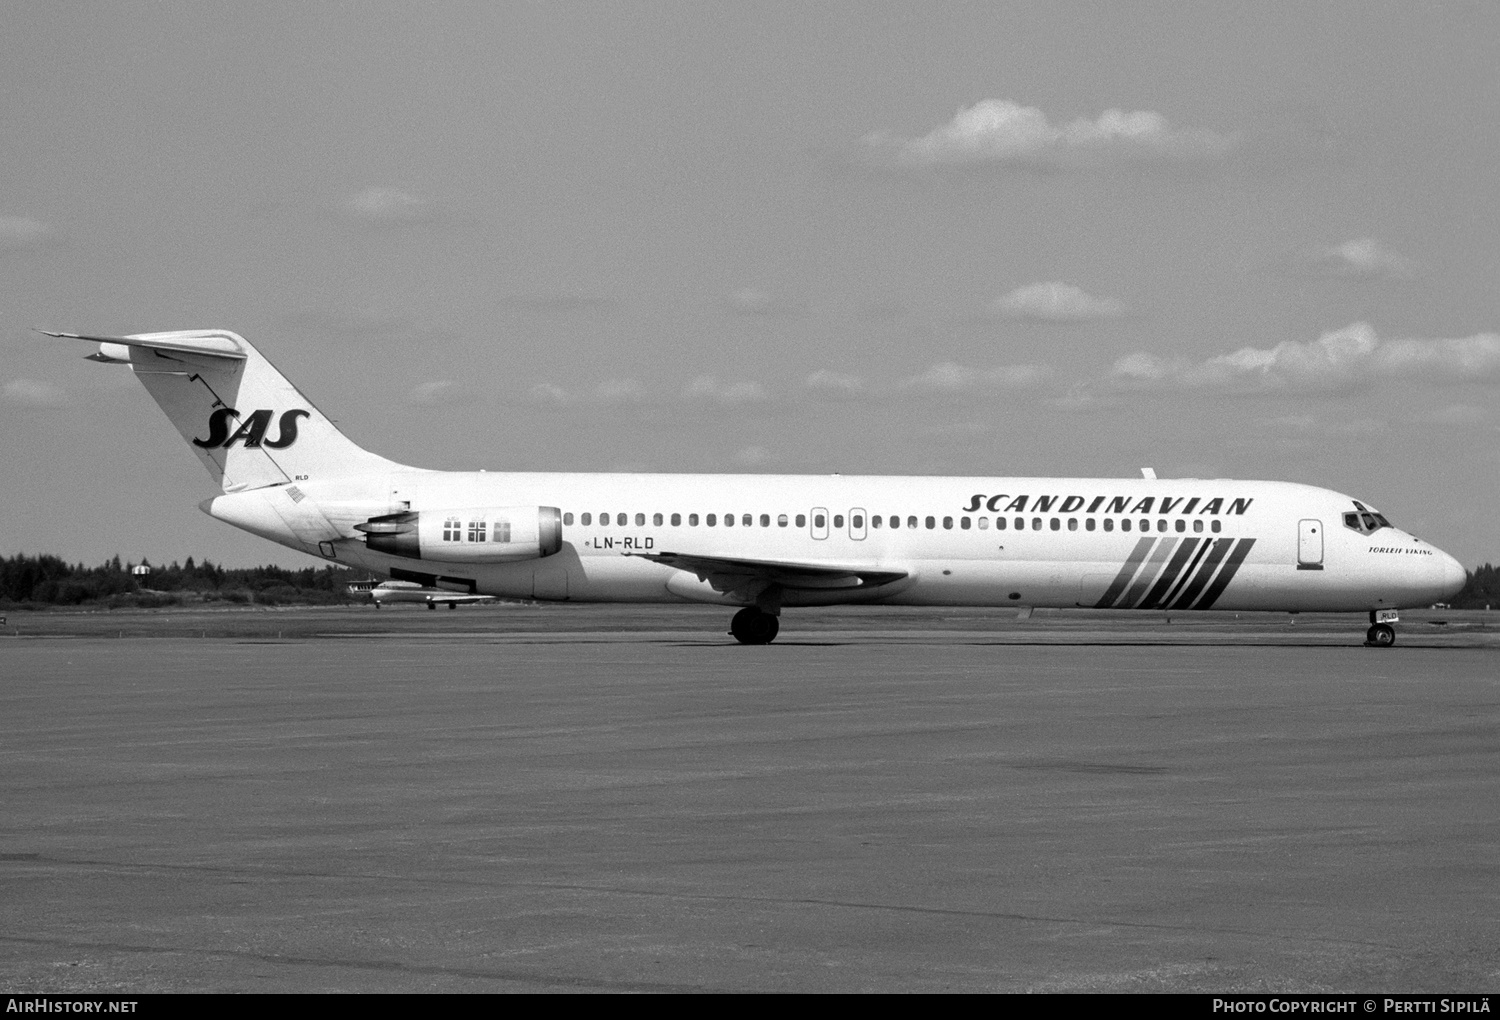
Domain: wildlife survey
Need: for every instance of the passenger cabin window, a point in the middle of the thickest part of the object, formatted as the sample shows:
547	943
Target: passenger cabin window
838	520
819	521
1072	523
931	523
501	532
947	523
692	520
765	520
999	523
1109	524
911	522
895	522
568	517
453	530
729	520
587	519
875	521
984	524
856	522
781	521
677	520
640	520
604	520
622	519
1215	527
802	521
711	520
1197	525
656	520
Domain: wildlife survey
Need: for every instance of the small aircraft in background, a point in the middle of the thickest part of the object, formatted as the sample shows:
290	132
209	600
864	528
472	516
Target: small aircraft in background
410	591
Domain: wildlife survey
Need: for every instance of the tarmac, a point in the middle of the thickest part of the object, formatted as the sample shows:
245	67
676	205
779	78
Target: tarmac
522	798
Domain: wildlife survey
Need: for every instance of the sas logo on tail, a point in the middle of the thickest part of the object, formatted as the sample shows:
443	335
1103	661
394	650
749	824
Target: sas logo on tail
252	430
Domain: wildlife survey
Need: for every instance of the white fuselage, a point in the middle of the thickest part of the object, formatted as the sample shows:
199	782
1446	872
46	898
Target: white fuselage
1064	542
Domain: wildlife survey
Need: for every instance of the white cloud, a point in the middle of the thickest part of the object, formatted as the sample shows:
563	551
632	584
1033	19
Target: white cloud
550	394
386	206
944	377
998	131
20	231
619	391
948	377
835	385
33	393
1343	359
609	391
707	387
1055	302
1363	258
1018	376
436	393
753	456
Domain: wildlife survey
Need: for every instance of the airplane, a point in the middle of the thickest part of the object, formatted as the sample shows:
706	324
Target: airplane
409	591
764	543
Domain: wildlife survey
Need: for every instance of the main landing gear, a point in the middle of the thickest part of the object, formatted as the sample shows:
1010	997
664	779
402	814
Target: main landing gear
1381	634
754	626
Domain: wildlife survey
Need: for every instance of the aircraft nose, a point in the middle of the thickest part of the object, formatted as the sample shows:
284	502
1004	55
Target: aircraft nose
1454	576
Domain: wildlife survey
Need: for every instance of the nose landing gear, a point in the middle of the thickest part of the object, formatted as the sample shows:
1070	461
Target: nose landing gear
1381	634
752	626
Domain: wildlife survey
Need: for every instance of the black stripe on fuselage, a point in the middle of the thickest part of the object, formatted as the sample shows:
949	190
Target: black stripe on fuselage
1148	573
1204	573
1231	566
1205	544
1169	576
1126	573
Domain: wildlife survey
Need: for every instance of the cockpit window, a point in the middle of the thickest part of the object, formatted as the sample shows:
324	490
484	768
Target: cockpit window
1364	521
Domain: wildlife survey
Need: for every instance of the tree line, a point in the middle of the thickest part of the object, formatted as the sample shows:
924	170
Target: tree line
50	581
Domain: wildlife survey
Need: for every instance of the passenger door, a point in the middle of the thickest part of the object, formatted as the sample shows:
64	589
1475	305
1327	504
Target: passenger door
1310	545
857	524
819	522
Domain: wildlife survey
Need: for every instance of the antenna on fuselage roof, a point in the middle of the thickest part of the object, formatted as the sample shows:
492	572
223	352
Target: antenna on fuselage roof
1149	474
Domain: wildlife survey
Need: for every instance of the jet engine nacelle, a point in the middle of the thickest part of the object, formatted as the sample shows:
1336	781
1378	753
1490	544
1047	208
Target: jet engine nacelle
480	535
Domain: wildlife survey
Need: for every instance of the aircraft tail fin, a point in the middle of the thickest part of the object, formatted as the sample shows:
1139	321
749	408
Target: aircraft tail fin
248	425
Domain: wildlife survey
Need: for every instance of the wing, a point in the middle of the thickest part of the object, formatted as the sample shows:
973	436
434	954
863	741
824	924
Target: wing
749	579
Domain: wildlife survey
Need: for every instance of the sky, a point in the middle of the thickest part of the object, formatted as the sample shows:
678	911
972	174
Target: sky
1252	241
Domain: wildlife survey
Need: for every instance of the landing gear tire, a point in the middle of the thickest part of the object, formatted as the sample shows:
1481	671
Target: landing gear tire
1381	635
754	627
